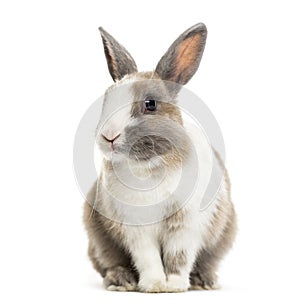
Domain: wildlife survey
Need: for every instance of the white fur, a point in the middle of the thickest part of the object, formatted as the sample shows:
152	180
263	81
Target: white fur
144	248
143	241
177	283
115	114
155	189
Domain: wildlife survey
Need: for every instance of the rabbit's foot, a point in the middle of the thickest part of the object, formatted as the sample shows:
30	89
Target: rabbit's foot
120	279
202	281
152	283
177	283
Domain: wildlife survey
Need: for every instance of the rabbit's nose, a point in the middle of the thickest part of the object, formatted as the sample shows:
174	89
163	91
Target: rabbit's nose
111	140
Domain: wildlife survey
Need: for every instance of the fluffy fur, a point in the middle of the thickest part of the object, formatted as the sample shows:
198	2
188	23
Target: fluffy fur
183	249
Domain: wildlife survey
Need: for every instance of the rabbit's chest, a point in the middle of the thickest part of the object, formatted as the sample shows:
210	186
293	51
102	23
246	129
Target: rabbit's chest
143	192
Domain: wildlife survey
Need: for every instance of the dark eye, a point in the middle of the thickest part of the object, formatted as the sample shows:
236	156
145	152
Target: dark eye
150	104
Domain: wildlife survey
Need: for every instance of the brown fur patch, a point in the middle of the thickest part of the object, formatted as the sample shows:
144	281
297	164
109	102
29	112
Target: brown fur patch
171	111
177	220
150	85
173	160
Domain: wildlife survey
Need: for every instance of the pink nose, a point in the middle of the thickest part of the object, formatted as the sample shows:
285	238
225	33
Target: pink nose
111	140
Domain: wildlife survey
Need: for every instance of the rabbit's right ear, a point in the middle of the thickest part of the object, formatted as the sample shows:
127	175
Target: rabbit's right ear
119	61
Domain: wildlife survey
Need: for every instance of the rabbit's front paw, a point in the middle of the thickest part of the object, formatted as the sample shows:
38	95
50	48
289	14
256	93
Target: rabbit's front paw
152	283
177	283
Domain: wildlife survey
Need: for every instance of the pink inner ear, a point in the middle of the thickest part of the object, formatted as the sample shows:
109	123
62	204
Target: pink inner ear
187	54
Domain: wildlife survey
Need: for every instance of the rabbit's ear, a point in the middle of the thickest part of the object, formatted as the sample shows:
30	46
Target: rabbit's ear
119	61
182	59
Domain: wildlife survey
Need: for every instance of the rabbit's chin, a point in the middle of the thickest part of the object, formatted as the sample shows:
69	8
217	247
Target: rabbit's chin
155	163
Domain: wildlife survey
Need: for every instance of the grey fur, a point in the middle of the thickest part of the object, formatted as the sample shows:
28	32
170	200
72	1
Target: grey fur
105	251
167	66
204	275
173	262
176	221
120	279
111	259
155	133
152	136
107	245
119	61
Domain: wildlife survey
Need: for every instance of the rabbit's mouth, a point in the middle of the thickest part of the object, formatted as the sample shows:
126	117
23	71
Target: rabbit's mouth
108	146
111	141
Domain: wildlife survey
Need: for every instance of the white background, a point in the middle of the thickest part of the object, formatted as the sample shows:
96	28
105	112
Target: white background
52	67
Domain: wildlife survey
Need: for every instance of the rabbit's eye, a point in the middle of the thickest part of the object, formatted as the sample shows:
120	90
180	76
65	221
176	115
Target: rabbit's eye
150	104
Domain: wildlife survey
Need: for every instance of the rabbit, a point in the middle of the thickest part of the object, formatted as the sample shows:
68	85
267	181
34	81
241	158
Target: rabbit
182	249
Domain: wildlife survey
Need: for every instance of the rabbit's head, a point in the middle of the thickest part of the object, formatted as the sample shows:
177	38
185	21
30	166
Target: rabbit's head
140	120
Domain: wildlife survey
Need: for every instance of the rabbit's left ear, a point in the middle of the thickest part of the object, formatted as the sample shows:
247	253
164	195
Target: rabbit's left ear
119	61
182	59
